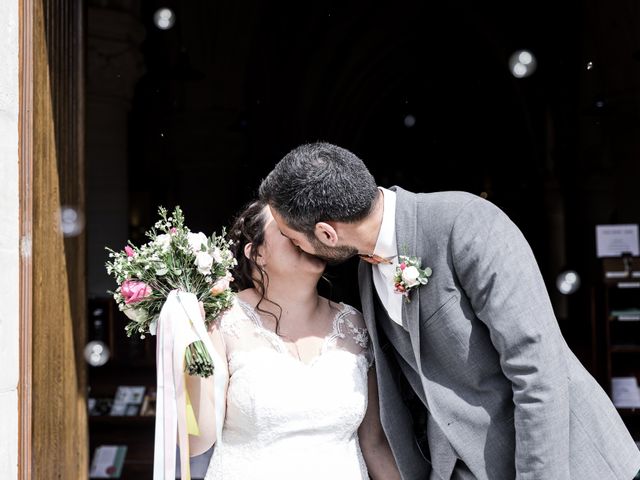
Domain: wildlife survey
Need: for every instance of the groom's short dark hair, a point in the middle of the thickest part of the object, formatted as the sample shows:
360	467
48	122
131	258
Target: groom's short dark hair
319	182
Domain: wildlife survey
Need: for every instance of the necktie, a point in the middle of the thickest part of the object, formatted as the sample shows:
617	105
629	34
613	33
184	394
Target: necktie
376	259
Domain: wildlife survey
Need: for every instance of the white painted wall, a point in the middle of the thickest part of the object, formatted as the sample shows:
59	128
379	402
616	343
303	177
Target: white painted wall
9	239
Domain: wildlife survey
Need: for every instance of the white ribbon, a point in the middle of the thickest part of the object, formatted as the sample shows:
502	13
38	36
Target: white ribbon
180	324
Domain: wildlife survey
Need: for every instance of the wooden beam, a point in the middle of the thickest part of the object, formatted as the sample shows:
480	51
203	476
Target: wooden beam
53	436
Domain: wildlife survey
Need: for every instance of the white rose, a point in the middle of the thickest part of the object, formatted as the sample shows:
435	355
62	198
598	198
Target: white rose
204	262
410	276
135	314
196	241
164	240
153	326
217	255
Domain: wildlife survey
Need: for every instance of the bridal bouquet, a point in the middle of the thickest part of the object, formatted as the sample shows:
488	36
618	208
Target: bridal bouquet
174	258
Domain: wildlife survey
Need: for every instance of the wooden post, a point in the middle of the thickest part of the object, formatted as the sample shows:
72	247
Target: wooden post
53	423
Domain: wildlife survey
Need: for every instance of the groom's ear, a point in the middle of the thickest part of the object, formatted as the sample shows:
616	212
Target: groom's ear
326	234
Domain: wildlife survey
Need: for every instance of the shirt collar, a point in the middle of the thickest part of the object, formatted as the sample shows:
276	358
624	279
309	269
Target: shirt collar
386	245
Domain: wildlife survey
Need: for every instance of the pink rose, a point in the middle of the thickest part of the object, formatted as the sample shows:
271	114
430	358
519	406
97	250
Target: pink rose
403	266
221	285
129	251
134	291
173	230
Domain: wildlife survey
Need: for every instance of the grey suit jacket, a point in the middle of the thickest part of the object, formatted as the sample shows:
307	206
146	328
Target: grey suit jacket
497	376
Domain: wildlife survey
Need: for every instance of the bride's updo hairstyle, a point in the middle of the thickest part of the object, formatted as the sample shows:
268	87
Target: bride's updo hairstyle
249	227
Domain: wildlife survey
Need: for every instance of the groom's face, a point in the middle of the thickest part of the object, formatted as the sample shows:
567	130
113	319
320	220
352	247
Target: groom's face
313	246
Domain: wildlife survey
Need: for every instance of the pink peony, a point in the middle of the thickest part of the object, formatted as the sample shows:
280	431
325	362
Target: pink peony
134	291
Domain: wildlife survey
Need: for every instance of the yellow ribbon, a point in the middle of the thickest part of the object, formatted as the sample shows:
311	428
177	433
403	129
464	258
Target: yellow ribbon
192	423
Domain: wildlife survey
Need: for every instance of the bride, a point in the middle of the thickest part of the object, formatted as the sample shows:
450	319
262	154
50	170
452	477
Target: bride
301	398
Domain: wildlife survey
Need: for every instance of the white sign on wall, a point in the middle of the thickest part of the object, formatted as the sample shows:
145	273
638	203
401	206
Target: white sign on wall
614	240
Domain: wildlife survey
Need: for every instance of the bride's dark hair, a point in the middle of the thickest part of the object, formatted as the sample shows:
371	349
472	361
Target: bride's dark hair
249	227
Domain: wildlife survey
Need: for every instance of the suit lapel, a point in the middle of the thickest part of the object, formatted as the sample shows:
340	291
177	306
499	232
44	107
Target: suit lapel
406	238
394	414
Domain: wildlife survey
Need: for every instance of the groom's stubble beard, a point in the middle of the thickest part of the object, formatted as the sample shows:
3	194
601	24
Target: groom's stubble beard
332	255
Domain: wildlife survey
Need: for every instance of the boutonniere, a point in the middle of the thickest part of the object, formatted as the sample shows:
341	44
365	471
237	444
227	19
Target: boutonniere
409	274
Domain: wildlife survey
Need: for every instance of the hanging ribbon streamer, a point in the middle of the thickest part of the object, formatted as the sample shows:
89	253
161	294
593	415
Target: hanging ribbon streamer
179	325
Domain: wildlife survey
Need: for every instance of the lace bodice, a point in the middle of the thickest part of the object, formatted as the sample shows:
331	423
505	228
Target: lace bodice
242	330
289	419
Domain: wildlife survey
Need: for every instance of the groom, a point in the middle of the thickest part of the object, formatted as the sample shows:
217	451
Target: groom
502	394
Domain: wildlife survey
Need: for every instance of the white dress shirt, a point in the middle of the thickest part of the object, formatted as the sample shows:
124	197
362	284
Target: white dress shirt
386	246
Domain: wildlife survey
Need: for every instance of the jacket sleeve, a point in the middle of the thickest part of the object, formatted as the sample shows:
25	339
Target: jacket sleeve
499	274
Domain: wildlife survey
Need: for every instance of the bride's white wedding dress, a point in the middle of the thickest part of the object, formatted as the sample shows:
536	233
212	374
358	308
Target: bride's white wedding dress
286	419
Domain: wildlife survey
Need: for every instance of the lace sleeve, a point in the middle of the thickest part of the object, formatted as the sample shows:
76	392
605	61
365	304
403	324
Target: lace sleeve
240	329
227	326
351	333
228	323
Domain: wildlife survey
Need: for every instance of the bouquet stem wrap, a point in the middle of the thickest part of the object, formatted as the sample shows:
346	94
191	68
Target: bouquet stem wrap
179	325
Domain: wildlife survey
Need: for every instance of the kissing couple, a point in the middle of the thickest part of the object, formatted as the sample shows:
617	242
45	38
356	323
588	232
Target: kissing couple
455	368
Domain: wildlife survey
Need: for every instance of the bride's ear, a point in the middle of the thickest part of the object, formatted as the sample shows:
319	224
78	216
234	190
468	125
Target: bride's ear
247	250
326	234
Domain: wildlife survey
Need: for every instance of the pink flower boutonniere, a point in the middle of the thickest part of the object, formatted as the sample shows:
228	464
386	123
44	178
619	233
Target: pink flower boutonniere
409	275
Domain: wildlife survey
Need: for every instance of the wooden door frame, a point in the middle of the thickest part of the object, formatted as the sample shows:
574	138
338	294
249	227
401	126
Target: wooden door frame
25	169
46	29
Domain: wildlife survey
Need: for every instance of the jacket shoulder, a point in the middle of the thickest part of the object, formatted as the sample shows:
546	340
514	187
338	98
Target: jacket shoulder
437	212
451	200
441	209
